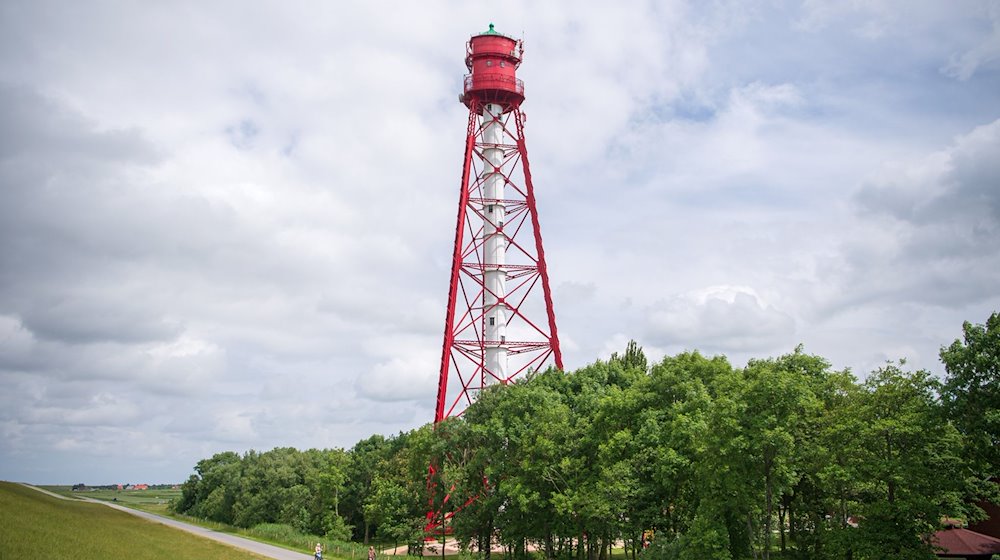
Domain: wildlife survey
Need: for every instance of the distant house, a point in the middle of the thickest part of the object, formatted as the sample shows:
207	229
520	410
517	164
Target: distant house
142	487
955	542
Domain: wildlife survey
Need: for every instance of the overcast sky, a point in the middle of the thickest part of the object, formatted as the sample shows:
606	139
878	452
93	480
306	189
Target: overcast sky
228	225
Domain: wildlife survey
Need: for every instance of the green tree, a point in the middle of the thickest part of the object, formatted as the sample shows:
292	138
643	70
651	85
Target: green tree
972	390
265	479
397	503
909	460
211	492
513	435
795	394
826	495
366	455
325	475
707	538
667	413
780	408
633	358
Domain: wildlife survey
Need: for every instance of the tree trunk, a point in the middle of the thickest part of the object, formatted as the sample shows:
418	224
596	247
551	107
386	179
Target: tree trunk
782	515
443	534
750	535
791	524
367	526
768	509
892	485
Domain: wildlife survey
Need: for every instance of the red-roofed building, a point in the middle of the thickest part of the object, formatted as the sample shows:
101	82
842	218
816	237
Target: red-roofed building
956	542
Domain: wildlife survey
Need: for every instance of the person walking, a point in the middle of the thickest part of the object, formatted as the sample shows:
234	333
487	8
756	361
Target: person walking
318	555
371	553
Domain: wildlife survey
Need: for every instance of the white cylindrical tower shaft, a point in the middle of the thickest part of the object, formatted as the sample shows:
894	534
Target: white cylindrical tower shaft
494	247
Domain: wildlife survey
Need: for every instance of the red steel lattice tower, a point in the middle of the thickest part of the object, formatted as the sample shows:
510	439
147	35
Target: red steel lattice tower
500	323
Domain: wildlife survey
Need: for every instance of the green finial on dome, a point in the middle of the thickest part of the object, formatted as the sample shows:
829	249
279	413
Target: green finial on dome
491	31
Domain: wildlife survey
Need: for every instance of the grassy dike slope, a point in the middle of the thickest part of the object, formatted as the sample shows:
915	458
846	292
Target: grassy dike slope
34	525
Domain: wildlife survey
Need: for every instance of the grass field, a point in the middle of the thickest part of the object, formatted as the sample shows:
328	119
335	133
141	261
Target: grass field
158	502
153	501
40	526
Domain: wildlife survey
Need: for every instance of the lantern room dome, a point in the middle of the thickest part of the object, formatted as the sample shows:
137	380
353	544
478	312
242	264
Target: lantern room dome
492	59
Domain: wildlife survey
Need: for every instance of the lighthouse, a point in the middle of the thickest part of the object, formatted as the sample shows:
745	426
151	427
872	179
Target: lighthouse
499	321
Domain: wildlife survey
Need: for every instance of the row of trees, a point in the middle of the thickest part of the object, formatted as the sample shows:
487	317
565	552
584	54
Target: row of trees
715	462
297	488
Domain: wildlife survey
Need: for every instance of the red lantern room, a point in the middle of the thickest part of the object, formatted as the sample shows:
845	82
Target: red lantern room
492	59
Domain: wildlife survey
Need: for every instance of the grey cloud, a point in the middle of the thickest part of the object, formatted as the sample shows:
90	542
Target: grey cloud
975	174
37	128
958	188
933	228
987	52
101	411
61	221
74	321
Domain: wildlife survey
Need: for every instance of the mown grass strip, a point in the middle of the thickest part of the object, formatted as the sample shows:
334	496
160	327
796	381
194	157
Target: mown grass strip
39	526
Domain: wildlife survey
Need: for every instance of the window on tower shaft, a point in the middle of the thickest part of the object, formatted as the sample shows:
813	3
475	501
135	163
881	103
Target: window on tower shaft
492	321
489	208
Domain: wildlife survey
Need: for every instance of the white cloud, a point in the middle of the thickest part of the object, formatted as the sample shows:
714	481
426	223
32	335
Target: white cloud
408	377
733	318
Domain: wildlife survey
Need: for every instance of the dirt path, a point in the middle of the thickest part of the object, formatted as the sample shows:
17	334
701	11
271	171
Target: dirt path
430	549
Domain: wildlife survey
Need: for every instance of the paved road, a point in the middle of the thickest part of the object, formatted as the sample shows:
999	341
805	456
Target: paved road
270	551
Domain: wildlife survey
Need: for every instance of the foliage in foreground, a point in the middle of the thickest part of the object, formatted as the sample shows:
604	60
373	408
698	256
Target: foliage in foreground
39	526
785	454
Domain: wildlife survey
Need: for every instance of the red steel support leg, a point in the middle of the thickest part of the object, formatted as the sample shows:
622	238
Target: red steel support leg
542	268
456	268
